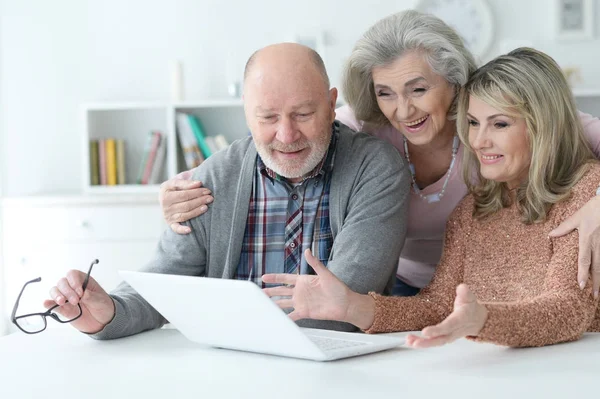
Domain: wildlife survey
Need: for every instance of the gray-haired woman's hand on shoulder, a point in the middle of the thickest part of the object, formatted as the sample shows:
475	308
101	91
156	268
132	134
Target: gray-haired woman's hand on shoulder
587	222
182	199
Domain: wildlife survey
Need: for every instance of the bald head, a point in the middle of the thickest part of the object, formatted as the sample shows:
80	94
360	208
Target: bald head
287	56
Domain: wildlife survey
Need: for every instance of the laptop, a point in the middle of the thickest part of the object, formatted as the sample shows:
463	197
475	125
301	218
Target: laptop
236	314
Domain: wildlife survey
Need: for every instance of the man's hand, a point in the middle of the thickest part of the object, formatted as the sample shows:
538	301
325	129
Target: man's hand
468	318
321	297
98	308
587	222
182	199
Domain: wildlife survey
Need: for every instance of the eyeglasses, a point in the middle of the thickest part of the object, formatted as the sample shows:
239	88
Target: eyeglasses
34	323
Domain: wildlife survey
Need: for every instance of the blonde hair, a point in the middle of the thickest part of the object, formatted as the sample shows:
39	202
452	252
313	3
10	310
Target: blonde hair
529	84
388	40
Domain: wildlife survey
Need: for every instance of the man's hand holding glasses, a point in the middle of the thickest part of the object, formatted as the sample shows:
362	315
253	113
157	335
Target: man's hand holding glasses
76	299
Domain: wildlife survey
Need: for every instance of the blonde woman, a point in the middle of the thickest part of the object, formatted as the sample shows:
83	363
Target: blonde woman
501	278
400	83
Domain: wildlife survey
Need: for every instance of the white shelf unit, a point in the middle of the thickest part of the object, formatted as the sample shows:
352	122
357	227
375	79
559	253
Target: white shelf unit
588	100
133	121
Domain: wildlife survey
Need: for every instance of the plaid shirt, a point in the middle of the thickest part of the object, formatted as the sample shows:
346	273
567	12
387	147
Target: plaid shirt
284	220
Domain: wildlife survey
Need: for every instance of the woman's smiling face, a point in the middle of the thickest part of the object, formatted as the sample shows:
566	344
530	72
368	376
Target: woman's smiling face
413	98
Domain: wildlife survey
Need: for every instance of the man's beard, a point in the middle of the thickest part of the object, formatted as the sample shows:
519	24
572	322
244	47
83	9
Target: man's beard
292	169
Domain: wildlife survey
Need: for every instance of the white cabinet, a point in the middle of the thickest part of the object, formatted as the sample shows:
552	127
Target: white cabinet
47	236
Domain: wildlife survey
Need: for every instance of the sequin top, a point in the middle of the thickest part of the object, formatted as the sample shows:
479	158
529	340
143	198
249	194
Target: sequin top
526	280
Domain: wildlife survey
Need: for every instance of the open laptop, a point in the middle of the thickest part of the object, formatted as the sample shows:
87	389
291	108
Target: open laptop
236	314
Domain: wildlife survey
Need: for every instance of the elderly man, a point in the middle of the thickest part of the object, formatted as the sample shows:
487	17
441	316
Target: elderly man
302	181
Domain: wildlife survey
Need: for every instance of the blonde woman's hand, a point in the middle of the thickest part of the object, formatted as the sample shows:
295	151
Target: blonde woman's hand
587	221
467	318
321	297
182	199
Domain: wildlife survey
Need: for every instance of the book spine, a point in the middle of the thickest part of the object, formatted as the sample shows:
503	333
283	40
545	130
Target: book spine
94	163
191	152
156	176
200	136
111	162
156	138
145	154
121	162
102	156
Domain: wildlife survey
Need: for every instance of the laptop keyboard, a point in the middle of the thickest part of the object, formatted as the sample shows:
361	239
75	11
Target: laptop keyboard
329	344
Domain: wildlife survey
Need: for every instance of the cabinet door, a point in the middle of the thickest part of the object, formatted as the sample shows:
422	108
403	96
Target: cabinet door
83	223
52	260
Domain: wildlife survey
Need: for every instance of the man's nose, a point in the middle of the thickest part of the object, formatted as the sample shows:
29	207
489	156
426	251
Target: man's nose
287	132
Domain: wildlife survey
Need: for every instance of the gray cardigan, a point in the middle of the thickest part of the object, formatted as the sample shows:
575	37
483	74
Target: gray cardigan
368	216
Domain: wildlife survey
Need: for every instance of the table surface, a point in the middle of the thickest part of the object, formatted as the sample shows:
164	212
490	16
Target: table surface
62	363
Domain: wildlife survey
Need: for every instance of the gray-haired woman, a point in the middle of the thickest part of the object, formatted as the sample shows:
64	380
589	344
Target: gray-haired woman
401	82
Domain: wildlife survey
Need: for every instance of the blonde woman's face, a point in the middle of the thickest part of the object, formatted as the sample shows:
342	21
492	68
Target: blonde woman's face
500	142
413	98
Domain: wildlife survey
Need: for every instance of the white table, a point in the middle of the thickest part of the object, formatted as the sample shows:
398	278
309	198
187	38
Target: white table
62	363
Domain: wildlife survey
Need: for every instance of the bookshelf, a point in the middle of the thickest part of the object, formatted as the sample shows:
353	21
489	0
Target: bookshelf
132	123
588	100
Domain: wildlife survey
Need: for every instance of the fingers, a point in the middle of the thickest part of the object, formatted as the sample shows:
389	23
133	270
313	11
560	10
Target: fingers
181	206
282	278
567	226
596	272
57	297
68	289
585	260
315	263
446	327
180	228
279	291
186	175
296	316
180	182
48	303
189	209
422	342
285	303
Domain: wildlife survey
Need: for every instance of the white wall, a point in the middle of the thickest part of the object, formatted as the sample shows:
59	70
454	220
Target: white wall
57	54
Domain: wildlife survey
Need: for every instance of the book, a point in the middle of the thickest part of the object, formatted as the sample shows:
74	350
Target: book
212	144
102	161
121	162
221	142
111	162
200	136
156	139
121	172
144	158
156	176
191	153
94	163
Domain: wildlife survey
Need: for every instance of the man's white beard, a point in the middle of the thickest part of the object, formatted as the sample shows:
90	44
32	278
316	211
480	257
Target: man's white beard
294	169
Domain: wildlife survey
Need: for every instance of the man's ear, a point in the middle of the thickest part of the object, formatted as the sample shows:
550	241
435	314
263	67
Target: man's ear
333	94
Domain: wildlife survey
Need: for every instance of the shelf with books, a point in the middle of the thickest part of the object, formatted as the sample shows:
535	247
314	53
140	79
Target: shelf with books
209	126
142	142
116	143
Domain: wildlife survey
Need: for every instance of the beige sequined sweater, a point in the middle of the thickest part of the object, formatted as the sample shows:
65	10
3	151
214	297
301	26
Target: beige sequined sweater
526	280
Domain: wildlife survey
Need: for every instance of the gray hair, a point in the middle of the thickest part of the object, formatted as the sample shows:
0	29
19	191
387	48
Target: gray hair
389	39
